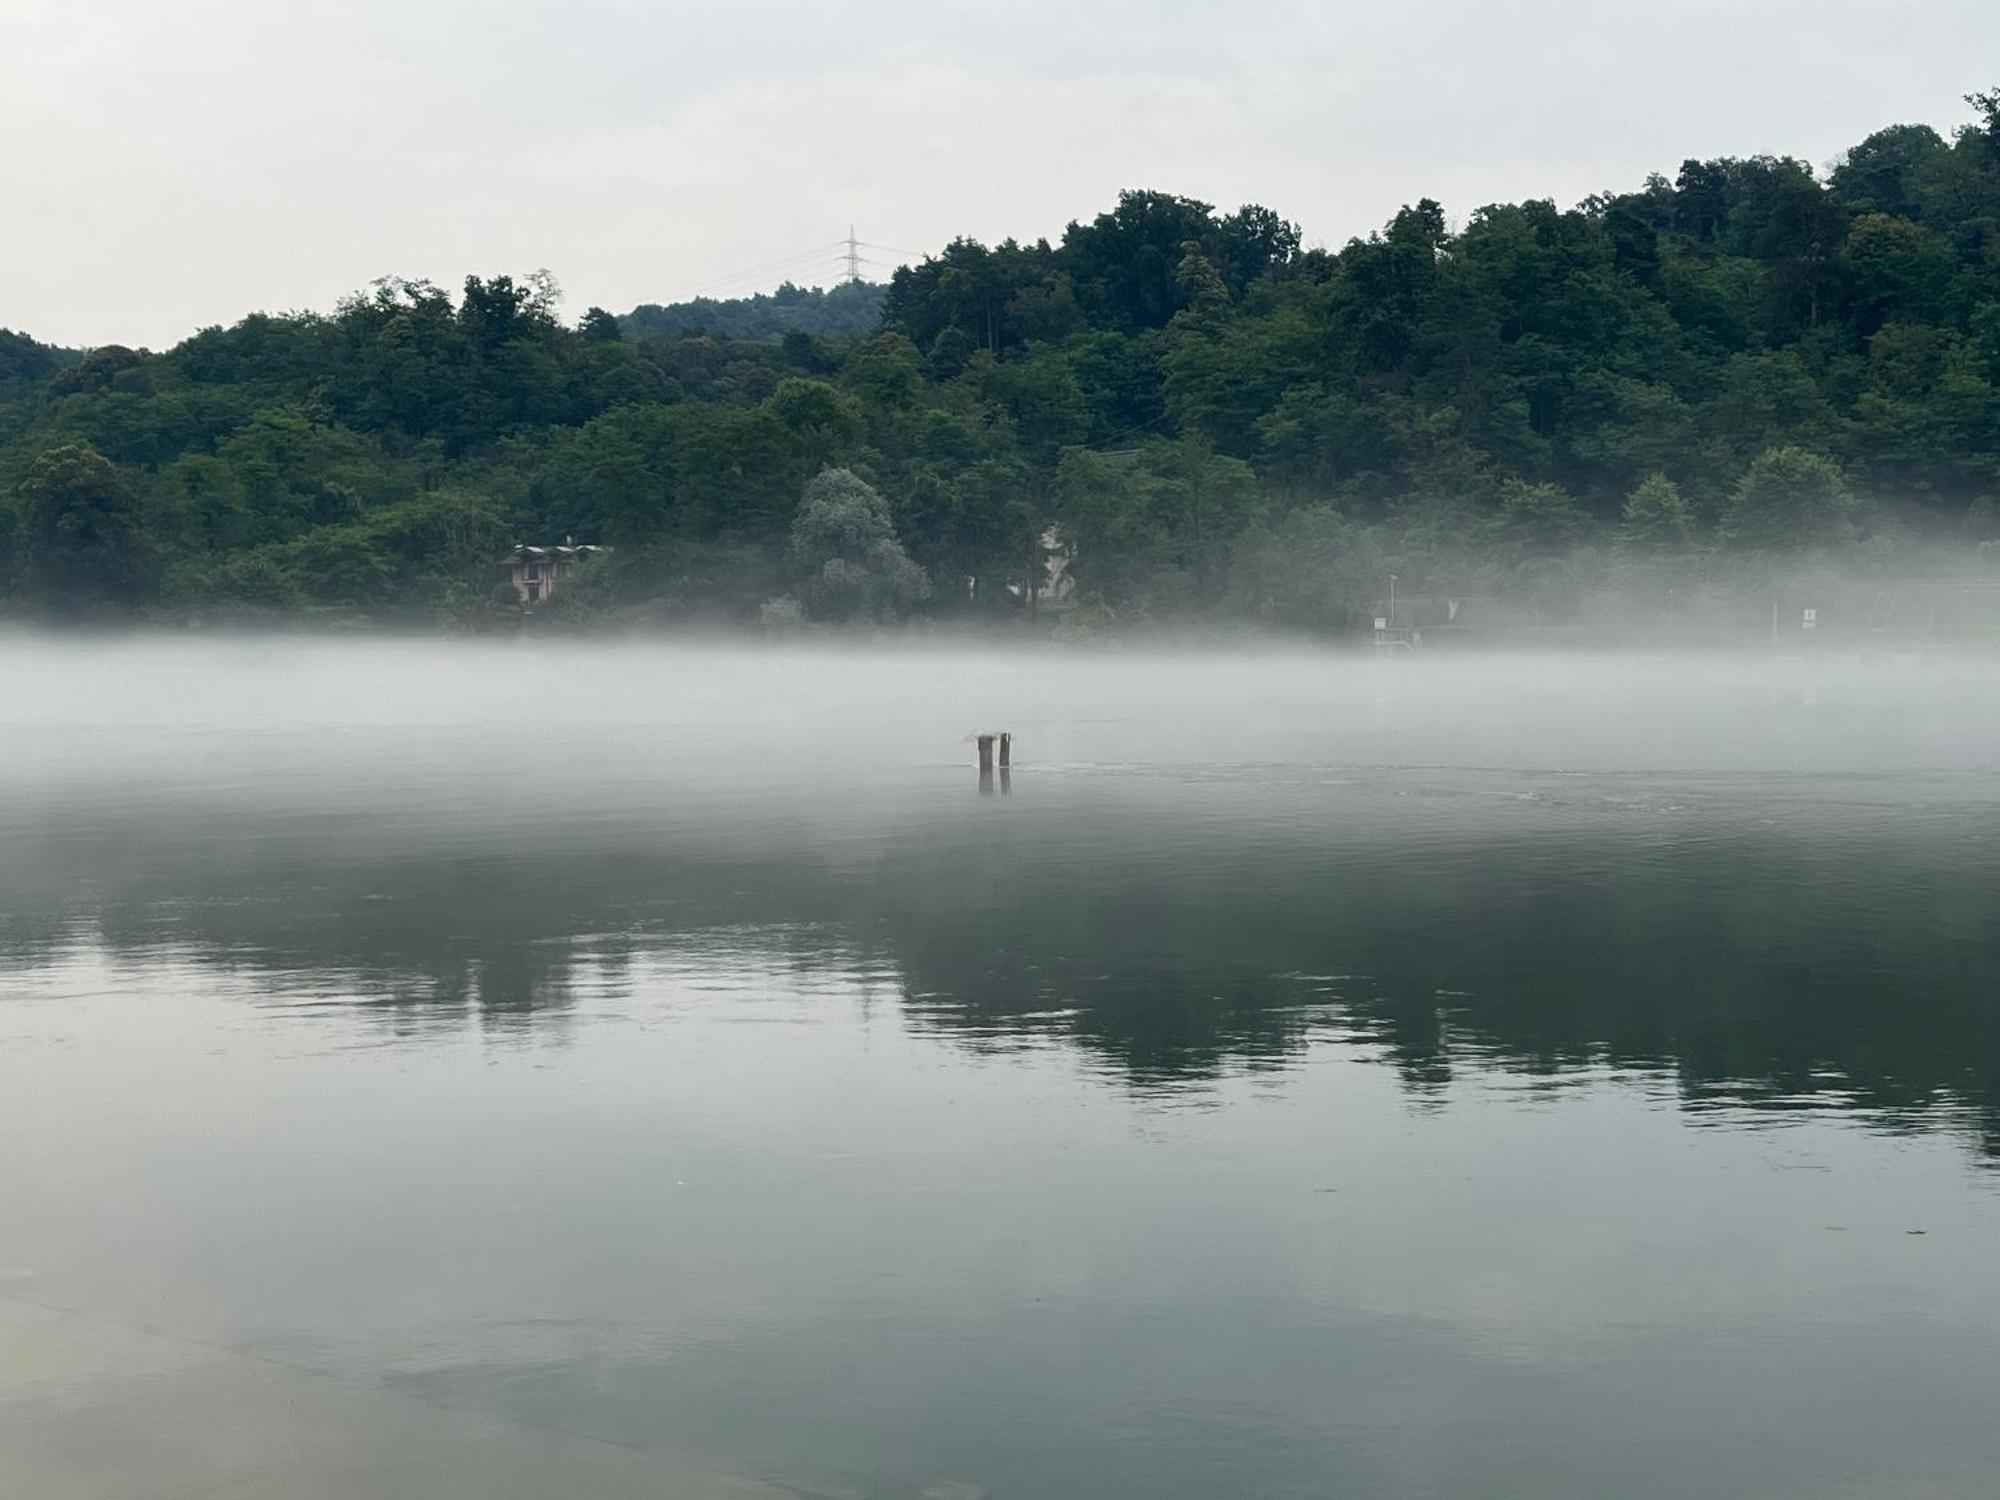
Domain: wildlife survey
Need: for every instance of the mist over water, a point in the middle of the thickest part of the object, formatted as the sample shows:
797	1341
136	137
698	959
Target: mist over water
668	1069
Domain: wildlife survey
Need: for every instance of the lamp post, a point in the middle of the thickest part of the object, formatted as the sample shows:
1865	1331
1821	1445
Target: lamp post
1392	601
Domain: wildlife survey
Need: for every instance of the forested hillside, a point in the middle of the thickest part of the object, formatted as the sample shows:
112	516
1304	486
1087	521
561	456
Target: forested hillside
845	311
1749	359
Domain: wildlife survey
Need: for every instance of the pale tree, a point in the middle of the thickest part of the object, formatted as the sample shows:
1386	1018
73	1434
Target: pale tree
844	549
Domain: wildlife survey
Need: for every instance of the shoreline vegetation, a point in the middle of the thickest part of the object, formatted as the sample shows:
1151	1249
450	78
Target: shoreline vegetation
1694	410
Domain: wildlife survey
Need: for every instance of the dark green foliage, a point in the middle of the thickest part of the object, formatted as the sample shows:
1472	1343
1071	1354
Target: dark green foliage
844	311
23	362
1789	498
1158	524
1202	415
1315	570
80	538
1656	516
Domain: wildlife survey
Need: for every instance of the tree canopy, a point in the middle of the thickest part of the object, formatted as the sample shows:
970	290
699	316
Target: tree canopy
1745	355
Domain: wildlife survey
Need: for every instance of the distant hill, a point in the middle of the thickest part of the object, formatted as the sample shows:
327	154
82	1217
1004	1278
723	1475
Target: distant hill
839	312
23	361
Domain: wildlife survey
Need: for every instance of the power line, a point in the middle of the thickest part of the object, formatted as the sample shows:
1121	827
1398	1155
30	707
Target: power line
825	253
817	250
784	269
735	285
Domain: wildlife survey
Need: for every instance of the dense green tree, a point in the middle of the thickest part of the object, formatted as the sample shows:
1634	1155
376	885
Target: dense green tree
1655	515
1788	498
1897	269
1160	521
83	548
1885	173
1541	520
24	362
1315	569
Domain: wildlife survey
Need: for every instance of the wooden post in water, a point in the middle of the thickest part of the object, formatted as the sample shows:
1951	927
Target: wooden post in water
986	759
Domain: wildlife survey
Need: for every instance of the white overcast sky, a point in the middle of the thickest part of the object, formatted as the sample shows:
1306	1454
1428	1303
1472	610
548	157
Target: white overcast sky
166	164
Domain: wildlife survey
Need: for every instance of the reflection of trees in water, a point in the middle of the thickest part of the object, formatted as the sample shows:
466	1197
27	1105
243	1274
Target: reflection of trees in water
1844	968
1780	972
418	944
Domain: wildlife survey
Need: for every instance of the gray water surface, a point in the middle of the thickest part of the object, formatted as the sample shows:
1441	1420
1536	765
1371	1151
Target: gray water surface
459	1069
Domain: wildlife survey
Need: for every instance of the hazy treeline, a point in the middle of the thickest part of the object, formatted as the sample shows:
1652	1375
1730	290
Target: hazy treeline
1752	367
850	310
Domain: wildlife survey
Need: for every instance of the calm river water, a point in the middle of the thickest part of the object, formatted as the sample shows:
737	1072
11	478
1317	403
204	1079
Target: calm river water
509	1071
